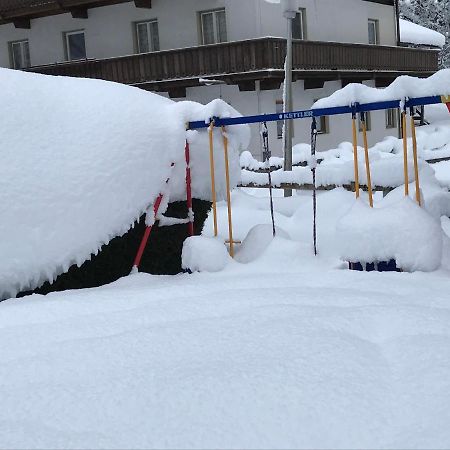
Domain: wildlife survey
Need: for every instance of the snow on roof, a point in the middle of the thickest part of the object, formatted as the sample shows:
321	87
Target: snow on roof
81	160
403	87
411	33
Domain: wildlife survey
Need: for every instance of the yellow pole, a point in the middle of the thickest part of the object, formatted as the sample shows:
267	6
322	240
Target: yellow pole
366	157
227	179
355	155
213	176
405	153
416	163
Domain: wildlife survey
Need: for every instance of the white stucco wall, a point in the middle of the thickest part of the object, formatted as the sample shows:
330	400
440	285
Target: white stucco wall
109	30
333	20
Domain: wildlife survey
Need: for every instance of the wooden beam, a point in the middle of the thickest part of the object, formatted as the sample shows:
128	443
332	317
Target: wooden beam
246	86
178	92
79	12
270	84
143	3
22	23
383	82
314	83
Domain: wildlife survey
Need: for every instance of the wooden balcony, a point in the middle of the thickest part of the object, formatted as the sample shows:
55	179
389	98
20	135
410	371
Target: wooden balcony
244	62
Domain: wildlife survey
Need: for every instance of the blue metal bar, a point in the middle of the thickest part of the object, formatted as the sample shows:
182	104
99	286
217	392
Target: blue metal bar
333	111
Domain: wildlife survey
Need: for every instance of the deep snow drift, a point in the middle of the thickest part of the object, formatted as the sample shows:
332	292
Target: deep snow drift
284	351
82	159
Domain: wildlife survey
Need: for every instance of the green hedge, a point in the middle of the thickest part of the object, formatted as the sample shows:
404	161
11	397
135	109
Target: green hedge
162	255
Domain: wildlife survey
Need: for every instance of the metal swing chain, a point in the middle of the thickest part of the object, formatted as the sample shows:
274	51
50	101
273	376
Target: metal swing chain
313	165
266	158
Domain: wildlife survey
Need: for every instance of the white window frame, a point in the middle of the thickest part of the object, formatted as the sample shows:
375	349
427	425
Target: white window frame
376	25
67	46
391	118
25	55
217	39
301	16
153	46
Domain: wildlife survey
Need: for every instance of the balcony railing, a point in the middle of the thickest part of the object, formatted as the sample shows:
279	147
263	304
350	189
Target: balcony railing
251	59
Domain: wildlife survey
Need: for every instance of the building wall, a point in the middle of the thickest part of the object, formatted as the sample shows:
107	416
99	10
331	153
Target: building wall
109	30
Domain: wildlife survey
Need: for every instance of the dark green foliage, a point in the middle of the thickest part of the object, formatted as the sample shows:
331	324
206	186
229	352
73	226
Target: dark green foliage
162	255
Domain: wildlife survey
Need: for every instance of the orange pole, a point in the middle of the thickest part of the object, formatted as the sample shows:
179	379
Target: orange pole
213	177
366	157
405	153
227	179
416	162
355	155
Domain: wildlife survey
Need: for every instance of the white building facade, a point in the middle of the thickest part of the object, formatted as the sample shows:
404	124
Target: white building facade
173	46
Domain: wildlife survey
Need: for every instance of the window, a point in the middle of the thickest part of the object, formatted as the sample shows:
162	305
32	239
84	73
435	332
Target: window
280	123
321	123
213	26
299	25
147	36
373	32
368	122
20	54
391	118
75	45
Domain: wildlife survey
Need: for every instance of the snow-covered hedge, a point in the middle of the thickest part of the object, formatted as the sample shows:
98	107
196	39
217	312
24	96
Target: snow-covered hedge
81	160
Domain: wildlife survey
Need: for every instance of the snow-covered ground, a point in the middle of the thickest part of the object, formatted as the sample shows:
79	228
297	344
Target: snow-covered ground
274	349
287	351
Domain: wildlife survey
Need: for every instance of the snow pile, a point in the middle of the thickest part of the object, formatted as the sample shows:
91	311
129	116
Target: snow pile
204	254
257	241
411	33
83	160
402	231
403	87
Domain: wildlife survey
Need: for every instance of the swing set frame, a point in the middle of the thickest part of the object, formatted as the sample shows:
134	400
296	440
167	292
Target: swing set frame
406	106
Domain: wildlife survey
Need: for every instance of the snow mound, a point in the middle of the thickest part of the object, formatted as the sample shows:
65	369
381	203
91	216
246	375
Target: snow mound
83	160
402	231
204	254
411	33
403	87
257	241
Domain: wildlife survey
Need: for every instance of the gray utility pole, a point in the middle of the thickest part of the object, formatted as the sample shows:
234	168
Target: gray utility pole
289	12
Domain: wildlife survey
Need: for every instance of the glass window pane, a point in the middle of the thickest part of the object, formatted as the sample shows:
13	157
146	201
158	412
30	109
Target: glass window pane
372	32
142	38
208	28
76	46
297	26
16	52
154	32
221	24
26	54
